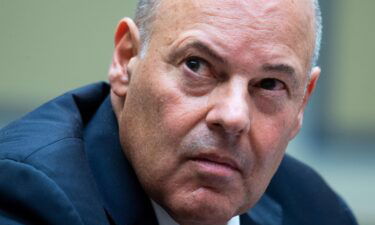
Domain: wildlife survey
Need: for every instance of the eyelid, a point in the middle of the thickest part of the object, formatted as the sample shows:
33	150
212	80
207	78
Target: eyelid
206	74
214	66
282	83
199	47
257	84
192	55
204	62
196	58
206	66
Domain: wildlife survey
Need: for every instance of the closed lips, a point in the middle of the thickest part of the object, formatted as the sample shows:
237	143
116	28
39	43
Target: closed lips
217	160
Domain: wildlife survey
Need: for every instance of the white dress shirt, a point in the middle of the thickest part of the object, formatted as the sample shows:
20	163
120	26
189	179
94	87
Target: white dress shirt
165	219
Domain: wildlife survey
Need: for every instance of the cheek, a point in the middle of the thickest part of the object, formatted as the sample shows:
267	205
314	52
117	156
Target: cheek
182	115
268	141
159	115
270	137
144	136
179	113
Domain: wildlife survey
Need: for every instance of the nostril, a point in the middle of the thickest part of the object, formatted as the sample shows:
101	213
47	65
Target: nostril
225	129
215	126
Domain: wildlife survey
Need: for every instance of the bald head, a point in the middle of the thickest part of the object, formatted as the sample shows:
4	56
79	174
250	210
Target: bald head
147	10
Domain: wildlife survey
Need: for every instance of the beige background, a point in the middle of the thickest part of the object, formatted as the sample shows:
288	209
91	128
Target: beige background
353	94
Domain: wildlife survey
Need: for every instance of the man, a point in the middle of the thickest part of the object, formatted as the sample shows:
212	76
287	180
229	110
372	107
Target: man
204	97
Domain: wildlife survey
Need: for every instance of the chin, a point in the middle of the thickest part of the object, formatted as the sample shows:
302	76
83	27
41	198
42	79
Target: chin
203	206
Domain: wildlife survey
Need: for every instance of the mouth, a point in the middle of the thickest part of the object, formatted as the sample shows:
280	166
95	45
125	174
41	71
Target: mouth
218	165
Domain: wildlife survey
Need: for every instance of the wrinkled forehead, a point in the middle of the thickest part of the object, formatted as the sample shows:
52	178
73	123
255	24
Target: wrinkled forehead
290	21
240	8
261	13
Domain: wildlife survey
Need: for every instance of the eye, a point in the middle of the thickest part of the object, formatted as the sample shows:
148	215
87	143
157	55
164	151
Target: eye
271	84
197	66
194	64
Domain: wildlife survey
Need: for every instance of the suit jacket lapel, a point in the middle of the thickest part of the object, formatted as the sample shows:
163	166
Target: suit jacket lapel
122	195
265	212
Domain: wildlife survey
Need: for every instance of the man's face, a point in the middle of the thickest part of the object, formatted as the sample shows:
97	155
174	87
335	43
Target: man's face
214	102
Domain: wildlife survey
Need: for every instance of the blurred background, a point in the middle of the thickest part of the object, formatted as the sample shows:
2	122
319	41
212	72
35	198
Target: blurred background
49	47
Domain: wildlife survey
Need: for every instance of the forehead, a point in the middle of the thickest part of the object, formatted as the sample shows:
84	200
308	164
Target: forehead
238	23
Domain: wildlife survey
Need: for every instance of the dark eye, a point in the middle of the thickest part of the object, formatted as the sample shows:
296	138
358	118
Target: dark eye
199	67
271	84
194	64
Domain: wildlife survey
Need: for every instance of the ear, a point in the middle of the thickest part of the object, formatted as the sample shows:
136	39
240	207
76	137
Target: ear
313	79
127	45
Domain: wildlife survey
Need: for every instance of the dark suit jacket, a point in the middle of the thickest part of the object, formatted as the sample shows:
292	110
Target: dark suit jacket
63	164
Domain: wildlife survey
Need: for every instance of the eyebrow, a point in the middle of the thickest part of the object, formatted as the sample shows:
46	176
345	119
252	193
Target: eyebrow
201	47
283	68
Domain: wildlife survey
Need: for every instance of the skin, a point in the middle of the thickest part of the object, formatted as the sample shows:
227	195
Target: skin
206	115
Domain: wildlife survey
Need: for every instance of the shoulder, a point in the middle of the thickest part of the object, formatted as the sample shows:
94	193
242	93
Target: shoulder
55	123
34	184
44	174
28	194
305	197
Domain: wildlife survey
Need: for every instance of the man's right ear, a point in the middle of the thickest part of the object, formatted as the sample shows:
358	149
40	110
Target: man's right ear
127	44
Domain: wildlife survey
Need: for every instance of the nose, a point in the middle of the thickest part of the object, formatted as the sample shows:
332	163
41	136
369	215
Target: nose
230	109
